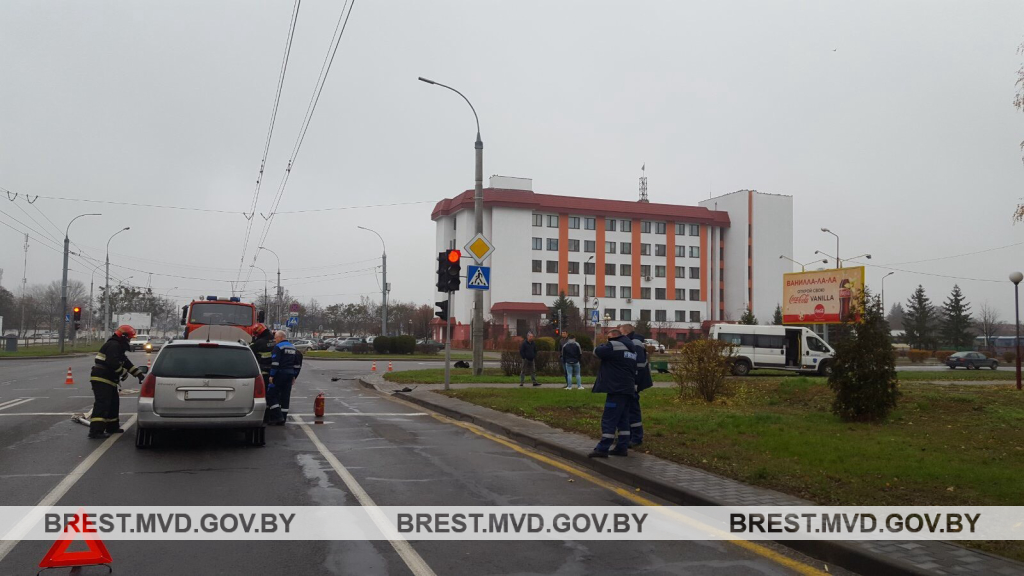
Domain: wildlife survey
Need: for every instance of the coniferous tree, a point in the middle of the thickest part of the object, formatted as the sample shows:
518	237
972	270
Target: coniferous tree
748	317
919	320
864	369
956	321
896	317
777	317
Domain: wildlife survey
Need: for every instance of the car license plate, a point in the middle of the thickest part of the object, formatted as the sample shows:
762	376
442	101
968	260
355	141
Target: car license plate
205	395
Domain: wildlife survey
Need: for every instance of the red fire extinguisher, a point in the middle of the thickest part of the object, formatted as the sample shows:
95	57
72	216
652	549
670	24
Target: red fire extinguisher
318	405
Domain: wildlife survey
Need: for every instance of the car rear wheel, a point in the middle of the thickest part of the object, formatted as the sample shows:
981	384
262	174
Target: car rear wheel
143	437
741	368
994	365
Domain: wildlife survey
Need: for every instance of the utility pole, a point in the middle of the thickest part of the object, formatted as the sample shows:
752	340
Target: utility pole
24	289
384	280
64	284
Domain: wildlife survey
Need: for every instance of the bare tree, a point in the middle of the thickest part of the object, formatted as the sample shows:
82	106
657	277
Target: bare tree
988	321
1018	103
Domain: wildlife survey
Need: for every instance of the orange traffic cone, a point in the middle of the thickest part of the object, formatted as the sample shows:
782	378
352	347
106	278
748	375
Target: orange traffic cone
374	367
70	379
389	366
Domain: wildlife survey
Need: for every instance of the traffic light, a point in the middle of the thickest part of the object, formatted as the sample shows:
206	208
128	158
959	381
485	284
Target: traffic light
77	316
555	325
449	269
443	312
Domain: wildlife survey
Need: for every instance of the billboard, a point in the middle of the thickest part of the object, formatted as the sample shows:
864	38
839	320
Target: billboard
821	297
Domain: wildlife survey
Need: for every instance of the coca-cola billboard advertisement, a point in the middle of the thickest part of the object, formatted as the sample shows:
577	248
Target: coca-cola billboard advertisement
821	297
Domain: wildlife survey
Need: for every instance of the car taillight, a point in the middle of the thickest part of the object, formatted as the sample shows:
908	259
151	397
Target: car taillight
259	389
148	387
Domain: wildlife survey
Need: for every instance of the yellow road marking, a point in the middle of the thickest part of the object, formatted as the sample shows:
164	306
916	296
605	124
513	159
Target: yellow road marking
754	547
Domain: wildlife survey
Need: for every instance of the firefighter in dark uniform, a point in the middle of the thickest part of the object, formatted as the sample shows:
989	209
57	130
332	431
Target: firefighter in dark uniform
643	382
284	367
262	344
111	367
617	378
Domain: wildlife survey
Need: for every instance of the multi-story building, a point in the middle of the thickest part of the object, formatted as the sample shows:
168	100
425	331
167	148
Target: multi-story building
674	265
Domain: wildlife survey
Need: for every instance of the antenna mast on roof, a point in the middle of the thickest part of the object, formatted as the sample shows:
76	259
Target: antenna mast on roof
643	183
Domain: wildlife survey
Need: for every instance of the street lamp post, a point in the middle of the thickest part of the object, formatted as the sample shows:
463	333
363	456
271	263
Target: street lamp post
478	216
278	315
384	281
598	323
92	308
781	257
1016	277
106	290
266	299
883	290
585	296
64	282
839	263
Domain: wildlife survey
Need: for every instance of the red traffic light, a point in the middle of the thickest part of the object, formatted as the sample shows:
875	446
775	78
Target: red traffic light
77	309
454	255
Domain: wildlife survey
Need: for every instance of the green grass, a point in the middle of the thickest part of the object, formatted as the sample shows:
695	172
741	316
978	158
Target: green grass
49	350
460	355
490	376
949	446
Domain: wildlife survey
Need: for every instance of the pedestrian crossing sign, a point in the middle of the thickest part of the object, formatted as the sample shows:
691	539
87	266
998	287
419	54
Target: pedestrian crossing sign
478	277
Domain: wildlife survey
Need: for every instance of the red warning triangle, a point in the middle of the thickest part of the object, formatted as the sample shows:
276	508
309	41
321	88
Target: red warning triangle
59	557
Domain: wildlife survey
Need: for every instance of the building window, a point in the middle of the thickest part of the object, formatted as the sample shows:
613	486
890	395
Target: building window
609	291
590	223
694	251
680	229
609	247
645	293
695	295
659	227
552	267
574	289
538	219
680	316
537	244
552	289
680	293
455	223
645	270
680	251
609	269
553	221
625	225
591	291
645	315
589	246
660	316
659	293
589	267
626	314
536	288
695	316
659	271
645	249
625	248
537	266
574	245
609	313
574	268
553	244
625	292
680	272
694	229
659	250
694	273
609	224
645	227
625	270
574	222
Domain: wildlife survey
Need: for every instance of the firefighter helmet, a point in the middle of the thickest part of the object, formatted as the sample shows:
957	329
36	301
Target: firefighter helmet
259	329
125	331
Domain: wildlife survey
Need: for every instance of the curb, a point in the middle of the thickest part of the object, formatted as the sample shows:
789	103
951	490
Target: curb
853	558
54	357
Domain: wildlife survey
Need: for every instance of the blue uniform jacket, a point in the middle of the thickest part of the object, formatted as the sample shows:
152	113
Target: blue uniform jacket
282	360
643	367
617	374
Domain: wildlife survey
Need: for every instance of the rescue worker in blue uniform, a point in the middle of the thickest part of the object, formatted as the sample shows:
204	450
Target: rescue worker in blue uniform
262	344
617	378
110	368
283	360
643	382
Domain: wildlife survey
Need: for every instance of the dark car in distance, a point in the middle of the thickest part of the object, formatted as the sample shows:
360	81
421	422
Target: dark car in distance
970	360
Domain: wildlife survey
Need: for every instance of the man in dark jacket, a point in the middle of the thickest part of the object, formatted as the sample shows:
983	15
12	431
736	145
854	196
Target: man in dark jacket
110	367
262	344
617	378
572	353
283	360
643	382
528	352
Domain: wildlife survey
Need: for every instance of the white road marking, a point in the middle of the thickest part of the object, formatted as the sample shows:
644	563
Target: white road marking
38	414
417	565
11	539
368	414
15	402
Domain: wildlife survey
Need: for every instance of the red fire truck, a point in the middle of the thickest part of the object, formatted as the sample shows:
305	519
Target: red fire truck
220	311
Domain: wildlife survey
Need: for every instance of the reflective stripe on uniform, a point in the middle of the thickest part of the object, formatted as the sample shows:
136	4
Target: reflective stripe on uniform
616	345
275	363
101	356
624	433
607	435
641	364
97	419
274	406
636	424
103	380
134	370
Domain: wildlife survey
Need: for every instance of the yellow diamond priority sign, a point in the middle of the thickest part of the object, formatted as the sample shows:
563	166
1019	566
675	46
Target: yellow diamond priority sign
480	247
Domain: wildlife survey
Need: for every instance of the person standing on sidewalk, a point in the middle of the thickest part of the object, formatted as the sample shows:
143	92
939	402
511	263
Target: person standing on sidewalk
617	378
643	382
528	352
571	354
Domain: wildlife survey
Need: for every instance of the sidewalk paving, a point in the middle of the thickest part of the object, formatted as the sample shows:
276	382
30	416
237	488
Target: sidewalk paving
688	486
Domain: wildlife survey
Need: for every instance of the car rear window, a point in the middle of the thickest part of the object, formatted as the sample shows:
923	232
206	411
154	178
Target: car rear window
959	355
206	362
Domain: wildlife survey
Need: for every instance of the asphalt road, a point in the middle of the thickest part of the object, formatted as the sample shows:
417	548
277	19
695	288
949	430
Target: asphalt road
398	454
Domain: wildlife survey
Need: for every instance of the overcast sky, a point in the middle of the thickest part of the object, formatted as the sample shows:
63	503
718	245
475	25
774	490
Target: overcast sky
889	122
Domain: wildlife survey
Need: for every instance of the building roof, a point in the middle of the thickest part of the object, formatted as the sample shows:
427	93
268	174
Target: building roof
528	200
533	307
